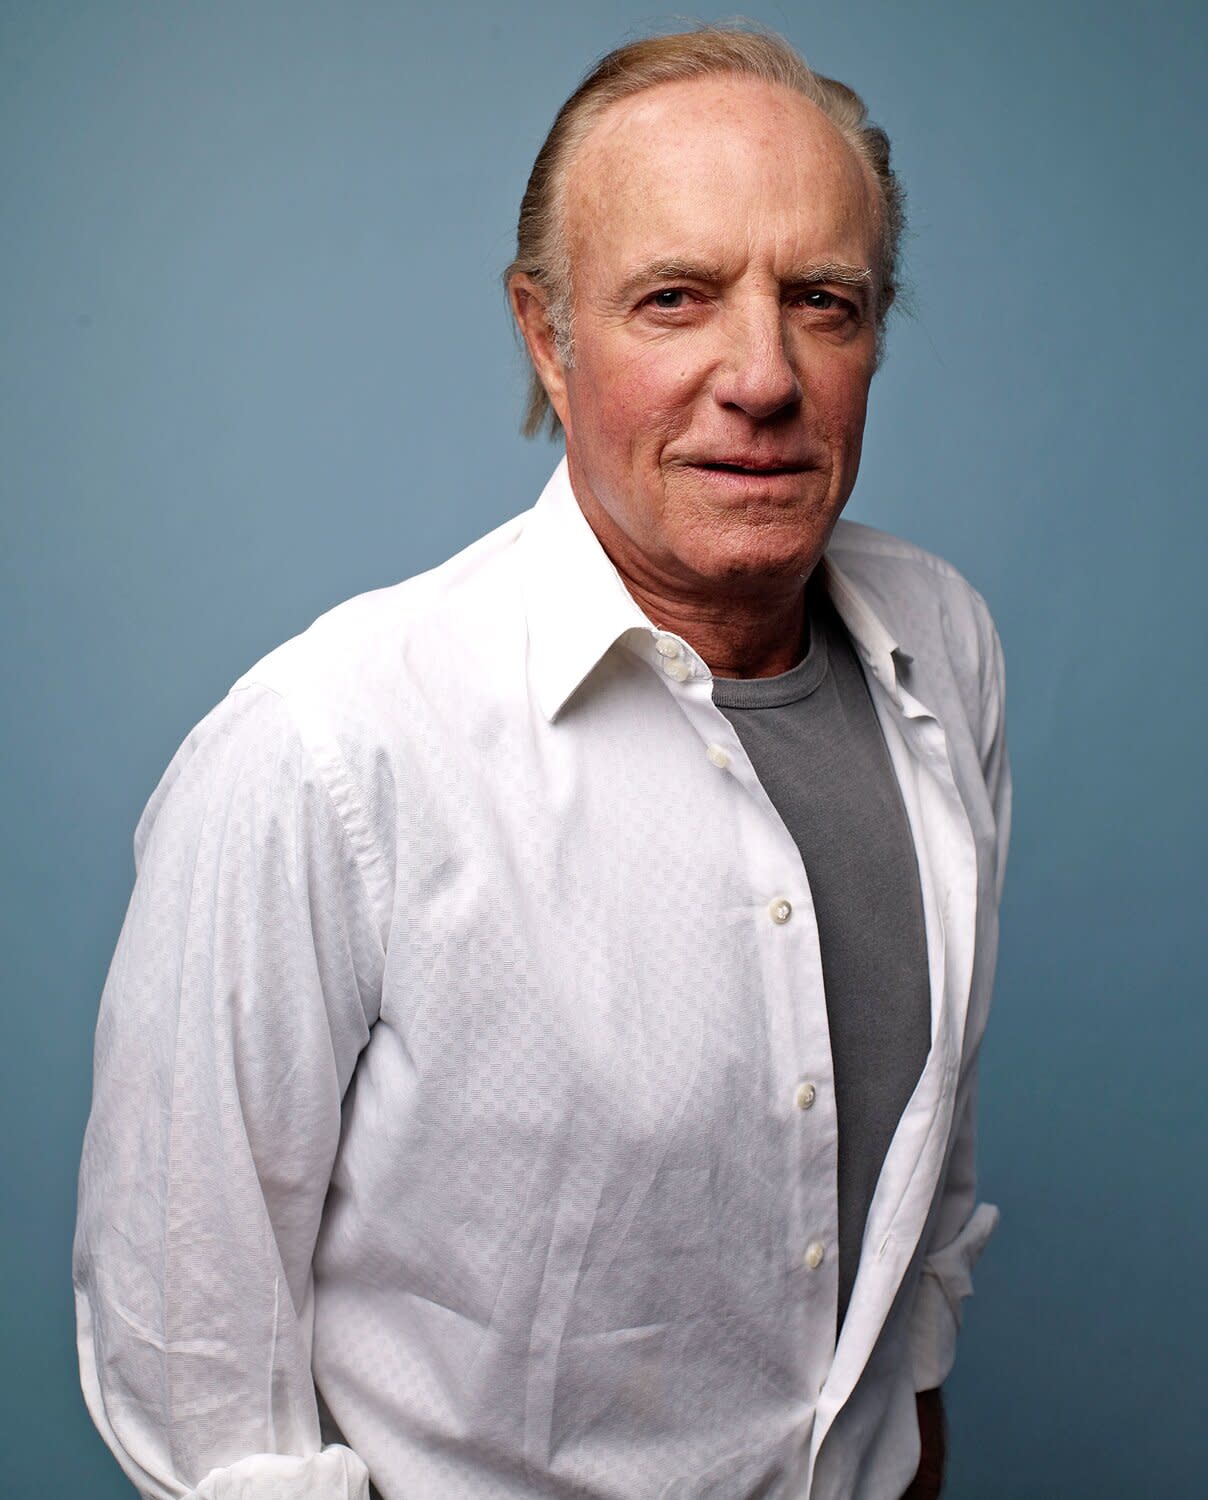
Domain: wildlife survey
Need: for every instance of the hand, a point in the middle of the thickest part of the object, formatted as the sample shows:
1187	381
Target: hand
929	1480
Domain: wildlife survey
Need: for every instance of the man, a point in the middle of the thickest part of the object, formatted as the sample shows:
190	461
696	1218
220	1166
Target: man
540	1054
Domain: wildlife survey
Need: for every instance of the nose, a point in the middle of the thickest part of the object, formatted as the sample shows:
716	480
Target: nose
757	374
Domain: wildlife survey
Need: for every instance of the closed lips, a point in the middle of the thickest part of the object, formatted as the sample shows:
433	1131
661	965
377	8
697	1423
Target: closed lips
755	468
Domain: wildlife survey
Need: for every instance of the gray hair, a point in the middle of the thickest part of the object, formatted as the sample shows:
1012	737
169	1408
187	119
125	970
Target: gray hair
542	252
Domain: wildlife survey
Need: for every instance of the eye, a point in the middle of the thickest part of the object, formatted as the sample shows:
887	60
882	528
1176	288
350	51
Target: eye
824	301
669	298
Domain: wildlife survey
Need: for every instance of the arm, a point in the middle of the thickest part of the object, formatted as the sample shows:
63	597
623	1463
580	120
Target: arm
933	1442
961	1226
238	1001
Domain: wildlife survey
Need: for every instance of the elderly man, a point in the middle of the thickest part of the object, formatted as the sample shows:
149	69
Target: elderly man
540	1054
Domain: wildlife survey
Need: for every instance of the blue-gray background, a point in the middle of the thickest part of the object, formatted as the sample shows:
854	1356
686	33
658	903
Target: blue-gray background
255	359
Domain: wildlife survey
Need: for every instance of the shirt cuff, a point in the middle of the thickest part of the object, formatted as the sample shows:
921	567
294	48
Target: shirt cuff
946	1281
334	1474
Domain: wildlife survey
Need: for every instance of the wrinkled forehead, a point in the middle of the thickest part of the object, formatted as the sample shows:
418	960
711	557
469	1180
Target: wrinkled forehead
723	158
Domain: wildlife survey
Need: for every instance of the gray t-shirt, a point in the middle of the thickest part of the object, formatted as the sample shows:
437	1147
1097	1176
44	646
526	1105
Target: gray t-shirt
814	741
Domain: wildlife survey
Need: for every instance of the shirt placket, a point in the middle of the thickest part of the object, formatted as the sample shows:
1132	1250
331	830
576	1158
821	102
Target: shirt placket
780	910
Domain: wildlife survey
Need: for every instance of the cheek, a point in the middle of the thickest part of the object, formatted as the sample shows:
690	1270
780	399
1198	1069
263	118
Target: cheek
633	405
838	400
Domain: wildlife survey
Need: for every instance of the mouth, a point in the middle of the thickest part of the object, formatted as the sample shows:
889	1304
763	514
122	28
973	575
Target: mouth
752	470
755	470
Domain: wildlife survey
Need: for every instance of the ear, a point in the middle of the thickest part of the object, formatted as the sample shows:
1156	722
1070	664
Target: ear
530	309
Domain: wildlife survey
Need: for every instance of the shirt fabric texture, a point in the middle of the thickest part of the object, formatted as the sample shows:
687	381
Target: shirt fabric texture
813	739
451	1061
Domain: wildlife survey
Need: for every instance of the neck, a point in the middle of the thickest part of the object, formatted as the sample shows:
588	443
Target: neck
748	636
751	624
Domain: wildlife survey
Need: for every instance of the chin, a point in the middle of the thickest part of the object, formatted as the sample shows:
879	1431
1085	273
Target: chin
773	552
750	569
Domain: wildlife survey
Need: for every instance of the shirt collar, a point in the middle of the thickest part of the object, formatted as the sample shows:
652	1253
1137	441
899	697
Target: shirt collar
578	608
873	641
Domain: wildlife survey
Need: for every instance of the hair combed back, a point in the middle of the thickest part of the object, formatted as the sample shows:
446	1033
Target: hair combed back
542	252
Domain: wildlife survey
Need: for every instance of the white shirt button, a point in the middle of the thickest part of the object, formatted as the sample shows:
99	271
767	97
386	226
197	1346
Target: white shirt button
815	1254
667	645
718	757
678	671
805	1095
780	910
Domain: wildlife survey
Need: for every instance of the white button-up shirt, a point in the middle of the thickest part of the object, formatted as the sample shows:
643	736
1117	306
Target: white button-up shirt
464	1060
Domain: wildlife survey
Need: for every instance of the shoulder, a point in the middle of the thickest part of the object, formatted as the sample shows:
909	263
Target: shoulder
325	722
904	578
397	634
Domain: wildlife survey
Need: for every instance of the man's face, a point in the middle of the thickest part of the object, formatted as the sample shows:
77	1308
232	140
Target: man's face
720	230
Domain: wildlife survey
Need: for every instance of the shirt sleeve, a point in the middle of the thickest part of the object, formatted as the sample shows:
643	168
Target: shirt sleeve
947	1277
962	1226
242	991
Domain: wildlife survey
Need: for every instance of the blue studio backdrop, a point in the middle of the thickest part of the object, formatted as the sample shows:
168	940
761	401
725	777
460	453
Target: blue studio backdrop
255	358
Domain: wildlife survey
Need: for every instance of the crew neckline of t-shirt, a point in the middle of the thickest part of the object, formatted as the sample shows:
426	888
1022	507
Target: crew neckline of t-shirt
786	687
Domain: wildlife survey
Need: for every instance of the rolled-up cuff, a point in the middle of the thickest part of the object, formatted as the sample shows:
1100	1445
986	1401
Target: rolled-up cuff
334	1474
946	1281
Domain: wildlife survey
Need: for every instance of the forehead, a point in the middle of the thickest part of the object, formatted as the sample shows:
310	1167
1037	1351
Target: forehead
722	167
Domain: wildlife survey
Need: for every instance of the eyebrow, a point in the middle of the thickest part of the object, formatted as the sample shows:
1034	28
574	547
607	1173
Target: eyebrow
668	270
832	270
811	274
